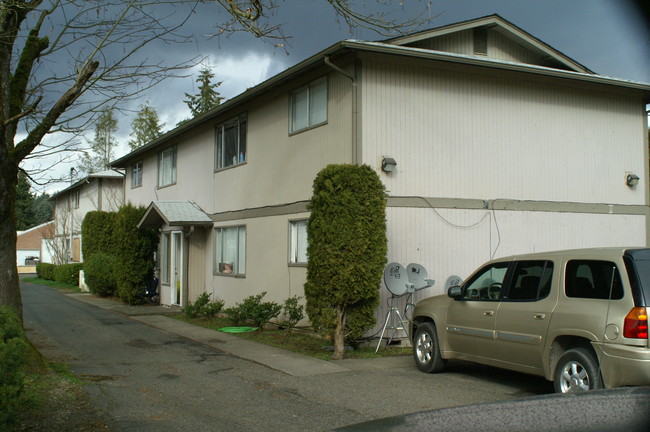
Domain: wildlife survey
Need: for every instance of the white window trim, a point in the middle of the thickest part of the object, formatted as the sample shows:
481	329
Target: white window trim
165	258
293	242
173	174
133	171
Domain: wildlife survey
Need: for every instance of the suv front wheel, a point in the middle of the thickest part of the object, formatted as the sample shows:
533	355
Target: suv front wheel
577	371
426	349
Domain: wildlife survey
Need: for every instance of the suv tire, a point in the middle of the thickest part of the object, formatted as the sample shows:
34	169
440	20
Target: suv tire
426	350
577	371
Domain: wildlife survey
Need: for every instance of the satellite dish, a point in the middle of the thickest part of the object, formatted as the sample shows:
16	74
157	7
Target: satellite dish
418	276
396	279
453	280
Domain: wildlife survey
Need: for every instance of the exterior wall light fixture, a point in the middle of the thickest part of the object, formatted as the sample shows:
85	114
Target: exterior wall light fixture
388	164
632	180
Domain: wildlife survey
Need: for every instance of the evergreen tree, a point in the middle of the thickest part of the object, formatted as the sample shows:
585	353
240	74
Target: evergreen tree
43	209
145	127
103	144
24	204
346	249
208	97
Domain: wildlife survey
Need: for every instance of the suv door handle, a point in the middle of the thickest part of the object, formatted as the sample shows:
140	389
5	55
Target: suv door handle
539	316
488	313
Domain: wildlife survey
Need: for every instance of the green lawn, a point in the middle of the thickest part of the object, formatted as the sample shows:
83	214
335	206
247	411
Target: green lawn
300	341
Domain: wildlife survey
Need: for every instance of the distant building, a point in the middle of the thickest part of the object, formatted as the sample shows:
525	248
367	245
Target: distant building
29	244
103	191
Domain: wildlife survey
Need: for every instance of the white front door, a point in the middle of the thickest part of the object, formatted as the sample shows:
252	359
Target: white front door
176	282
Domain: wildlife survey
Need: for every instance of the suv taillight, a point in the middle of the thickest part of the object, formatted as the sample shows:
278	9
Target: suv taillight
636	324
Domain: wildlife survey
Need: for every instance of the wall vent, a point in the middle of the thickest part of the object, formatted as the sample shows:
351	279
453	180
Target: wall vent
480	41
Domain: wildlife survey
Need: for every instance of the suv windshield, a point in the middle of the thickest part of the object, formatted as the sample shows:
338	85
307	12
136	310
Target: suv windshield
637	263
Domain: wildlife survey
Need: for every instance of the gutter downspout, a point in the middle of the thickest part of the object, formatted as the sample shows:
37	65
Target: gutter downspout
355	156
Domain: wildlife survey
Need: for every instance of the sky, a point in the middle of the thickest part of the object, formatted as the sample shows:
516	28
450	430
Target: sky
610	37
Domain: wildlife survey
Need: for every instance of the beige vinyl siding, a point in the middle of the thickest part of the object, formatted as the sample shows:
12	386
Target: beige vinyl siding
267	268
456	242
503	48
466	135
459	43
280	168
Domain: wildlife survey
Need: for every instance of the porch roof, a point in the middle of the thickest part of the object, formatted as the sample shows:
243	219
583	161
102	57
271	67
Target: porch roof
178	213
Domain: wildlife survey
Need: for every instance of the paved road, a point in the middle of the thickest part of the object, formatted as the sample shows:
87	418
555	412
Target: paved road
148	379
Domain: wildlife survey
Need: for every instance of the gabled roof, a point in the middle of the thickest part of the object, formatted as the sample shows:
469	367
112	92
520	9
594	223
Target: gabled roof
112	174
392	47
504	27
177	213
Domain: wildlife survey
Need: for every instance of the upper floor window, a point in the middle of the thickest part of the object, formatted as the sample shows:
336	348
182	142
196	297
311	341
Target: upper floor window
230	250
76	195
308	105
230	143
298	242
136	174
167	166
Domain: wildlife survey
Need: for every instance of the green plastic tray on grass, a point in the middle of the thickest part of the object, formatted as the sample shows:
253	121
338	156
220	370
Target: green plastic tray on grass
237	329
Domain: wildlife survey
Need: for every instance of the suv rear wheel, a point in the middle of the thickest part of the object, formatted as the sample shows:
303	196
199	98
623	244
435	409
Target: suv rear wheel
426	349
577	371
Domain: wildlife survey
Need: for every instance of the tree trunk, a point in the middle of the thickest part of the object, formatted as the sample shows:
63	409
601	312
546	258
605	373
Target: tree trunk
339	334
9	288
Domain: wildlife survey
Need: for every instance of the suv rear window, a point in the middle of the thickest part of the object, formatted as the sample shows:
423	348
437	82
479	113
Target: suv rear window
637	263
593	279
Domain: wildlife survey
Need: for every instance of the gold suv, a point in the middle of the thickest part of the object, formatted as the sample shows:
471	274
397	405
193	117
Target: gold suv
577	317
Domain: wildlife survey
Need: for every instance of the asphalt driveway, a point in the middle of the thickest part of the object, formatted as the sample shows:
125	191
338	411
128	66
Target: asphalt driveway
148	372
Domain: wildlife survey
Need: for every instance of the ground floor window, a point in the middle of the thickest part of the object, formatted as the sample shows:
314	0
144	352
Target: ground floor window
230	250
298	242
164	258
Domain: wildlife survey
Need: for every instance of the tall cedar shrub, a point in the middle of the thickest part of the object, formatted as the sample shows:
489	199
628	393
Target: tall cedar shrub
97	233
99	272
347	251
134	253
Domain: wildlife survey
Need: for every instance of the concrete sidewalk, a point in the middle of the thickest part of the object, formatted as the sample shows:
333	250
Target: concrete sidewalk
285	361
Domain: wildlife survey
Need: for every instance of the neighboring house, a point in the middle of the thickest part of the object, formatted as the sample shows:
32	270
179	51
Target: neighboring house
29	244
103	191
489	142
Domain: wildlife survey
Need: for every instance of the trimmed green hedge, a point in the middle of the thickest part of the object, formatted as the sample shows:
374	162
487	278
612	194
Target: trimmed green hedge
45	271
13	359
68	273
97	233
99	273
134	252
347	251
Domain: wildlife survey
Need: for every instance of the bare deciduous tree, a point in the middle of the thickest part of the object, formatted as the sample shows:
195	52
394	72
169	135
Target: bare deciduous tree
60	63
64	61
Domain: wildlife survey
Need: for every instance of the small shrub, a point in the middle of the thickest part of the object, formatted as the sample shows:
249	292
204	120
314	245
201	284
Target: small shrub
13	358
68	273
203	307
294	312
260	313
235	315
99	271
45	271
211	309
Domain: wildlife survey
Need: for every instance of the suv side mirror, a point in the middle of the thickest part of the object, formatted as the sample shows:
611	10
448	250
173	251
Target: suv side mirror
455	292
